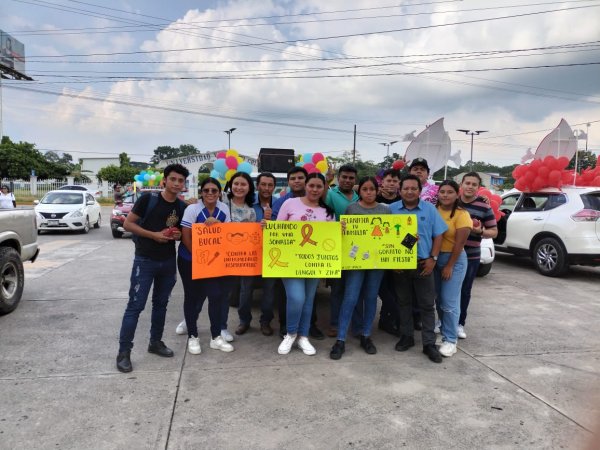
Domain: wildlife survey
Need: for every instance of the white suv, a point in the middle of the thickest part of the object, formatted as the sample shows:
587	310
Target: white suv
556	228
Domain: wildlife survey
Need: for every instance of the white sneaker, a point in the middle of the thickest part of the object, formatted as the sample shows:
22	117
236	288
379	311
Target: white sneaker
447	349
461	333
220	344
225	334
286	344
438	324
194	345
181	328
306	346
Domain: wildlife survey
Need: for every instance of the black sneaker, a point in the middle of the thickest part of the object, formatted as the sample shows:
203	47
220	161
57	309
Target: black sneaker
432	353
315	333
124	362
388	328
159	348
405	343
367	344
337	350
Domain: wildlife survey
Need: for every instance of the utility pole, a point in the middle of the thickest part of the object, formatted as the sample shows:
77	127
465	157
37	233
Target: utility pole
231	130
472	133
388	145
354	146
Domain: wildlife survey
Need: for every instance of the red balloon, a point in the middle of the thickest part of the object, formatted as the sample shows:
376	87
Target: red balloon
310	167
567	177
537	184
221	155
563	162
535	165
543	172
520	185
554	177
529	176
398	165
317	157
496	197
231	162
596	181
485	192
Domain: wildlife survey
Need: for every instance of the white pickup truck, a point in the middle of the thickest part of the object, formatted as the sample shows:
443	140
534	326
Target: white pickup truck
18	243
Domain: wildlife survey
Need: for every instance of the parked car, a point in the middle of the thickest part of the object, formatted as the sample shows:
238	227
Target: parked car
97	193
488	253
555	227
119	214
18	243
67	211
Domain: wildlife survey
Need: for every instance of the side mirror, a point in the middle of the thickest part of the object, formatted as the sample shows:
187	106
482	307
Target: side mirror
91	203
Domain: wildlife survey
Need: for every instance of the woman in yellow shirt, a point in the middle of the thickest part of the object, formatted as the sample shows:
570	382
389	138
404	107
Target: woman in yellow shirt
451	265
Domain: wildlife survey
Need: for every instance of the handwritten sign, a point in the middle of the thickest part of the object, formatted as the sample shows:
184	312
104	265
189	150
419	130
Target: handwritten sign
302	250
379	242
226	249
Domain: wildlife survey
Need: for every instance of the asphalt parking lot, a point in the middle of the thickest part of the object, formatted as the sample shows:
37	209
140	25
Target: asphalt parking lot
528	375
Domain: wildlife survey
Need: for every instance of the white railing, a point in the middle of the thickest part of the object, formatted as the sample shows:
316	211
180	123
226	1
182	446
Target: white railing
38	188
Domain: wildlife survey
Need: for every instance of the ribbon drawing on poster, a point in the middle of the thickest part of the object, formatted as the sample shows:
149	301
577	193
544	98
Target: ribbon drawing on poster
302	250
226	249
379	242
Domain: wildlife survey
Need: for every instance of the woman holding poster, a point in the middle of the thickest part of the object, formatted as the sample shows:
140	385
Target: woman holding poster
195	291
301	291
361	285
451	265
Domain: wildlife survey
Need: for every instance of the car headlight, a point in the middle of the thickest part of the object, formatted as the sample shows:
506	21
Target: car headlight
78	213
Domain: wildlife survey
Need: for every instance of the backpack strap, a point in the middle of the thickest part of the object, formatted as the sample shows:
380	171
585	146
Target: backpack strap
151	205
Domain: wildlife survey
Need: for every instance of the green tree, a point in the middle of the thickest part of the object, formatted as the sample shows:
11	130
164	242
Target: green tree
124	160
585	159
114	174
17	160
168	152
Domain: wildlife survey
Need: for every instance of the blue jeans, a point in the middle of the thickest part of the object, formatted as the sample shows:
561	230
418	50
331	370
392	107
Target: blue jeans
448	294
194	294
144	273
335	299
300	294
266	303
465	293
363	285
228	284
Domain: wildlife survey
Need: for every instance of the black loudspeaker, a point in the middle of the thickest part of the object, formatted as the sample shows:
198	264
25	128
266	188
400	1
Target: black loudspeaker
275	159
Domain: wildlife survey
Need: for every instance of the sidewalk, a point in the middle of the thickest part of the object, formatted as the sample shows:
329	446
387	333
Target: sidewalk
527	376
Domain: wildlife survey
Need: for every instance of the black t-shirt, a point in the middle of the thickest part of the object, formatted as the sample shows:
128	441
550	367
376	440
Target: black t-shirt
163	215
381	199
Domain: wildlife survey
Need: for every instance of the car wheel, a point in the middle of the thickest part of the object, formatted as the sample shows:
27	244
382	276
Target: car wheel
99	221
12	279
550	257
86	225
484	269
117	234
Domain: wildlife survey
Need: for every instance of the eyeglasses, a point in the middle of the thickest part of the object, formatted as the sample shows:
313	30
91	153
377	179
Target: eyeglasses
210	191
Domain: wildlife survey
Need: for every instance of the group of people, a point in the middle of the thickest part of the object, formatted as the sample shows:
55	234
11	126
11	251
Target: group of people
451	221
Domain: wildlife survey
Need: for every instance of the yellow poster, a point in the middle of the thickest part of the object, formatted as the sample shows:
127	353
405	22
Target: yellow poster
379	242
302	250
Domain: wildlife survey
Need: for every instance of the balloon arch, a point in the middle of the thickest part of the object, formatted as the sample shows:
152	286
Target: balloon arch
231	160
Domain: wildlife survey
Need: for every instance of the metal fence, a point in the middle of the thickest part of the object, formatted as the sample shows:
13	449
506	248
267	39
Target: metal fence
38	188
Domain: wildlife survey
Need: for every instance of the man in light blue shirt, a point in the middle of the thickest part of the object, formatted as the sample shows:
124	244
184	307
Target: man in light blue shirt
419	283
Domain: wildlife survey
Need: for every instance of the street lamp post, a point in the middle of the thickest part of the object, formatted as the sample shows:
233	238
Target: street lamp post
472	133
388	145
231	130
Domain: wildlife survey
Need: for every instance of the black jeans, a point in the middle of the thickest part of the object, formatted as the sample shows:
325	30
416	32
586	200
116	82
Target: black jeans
410	285
389	312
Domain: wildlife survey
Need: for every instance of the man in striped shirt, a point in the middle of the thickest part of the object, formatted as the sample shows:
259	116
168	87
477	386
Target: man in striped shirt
484	226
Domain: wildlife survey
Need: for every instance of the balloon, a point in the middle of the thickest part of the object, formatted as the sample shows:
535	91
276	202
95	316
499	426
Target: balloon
520	185
543	172
220	166
146	177
537	184
496	198
317	157
398	165
529	177
145	182
215	173
308	158
549	161
142	173
301	158
485	192
153	177
231	162
563	161
136	177
222	182
239	159
321	166
245	167
231	152
596	181
535	165
494	204
310	167
229	174
221	155
567	177
139	184
299	164
554	177
150	182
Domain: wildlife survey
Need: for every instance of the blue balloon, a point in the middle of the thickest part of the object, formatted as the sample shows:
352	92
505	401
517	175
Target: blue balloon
220	166
307	157
146	177
245	167
142	173
136	178
215	174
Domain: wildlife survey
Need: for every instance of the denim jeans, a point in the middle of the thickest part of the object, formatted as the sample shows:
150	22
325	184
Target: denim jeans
194	294
266	303
360	285
448	294
227	284
300	294
336	298
410	284
144	273
465	292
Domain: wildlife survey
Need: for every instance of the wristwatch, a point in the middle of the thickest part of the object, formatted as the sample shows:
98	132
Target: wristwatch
434	257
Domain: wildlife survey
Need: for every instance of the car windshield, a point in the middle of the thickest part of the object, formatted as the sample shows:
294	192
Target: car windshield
73	188
62	198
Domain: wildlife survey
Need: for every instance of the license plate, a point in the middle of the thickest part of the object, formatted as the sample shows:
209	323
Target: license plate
52	223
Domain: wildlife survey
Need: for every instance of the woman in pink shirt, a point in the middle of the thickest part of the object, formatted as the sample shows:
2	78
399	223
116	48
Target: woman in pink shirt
301	291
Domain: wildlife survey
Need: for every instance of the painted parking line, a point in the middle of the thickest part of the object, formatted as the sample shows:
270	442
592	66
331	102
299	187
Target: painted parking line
57	253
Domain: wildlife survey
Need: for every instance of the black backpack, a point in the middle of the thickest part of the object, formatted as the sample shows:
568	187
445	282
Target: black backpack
181	205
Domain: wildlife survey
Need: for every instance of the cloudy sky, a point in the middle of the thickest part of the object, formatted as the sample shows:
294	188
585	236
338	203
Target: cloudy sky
118	75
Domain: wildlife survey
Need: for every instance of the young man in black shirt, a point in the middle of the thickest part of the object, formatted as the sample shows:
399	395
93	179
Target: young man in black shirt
155	222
